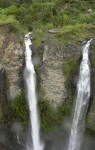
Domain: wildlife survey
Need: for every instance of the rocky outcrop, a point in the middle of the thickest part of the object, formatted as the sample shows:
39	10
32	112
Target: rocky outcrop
3	102
11	64
11	60
91	111
52	76
58	70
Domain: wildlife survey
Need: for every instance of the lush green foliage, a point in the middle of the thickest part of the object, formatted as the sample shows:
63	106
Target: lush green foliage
18	109
51	119
48	116
90	133
71	19
69	68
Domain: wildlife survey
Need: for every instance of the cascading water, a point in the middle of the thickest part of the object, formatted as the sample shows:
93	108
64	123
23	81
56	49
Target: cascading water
29	75
83	94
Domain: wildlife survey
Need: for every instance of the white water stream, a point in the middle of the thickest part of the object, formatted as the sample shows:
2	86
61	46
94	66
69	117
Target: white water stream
82	99
30	80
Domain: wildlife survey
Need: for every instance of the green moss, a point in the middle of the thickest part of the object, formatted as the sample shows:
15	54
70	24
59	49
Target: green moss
93	57
64	110
51	119
69	68
48	116
18	109
90	133
90	120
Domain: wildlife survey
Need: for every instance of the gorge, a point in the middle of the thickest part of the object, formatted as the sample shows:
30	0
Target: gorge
46	68
49	63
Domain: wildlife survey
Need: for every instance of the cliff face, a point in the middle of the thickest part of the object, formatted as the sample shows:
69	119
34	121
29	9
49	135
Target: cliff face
91	111
52	77
11	64
11	61
58	72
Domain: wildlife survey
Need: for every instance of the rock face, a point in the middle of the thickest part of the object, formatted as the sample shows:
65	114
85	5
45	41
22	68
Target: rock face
52	77
91	113
11	60
11	64
58	72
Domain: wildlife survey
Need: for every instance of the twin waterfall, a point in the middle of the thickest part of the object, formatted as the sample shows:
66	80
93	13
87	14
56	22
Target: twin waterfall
29	75
82	99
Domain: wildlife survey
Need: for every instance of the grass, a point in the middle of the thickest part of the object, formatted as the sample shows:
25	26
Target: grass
72	22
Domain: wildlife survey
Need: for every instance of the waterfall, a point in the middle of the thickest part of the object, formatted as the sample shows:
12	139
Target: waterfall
29	75
82	99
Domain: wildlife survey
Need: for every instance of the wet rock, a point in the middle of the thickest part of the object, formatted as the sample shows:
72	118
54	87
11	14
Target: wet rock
82	42
91	113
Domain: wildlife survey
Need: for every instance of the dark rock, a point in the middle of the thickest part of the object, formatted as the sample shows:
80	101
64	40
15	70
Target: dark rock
82	42
91	113
72	47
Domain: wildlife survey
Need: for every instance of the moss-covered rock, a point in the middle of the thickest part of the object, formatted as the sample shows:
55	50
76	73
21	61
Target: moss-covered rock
91	111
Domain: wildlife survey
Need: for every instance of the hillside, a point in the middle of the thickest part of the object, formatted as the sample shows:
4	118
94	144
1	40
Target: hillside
71	19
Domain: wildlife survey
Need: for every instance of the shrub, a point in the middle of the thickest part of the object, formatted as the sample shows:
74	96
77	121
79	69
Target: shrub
69	68
48	116
18	109
51	119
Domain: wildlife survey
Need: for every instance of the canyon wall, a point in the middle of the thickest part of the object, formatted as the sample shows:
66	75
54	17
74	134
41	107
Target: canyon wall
59	70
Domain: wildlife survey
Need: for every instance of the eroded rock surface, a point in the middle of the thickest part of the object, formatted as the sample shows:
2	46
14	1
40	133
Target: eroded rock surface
52	76
11	60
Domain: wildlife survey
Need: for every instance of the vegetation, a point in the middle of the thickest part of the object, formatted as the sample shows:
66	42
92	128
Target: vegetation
49	119
90	123
72	21
52	119
70	68
18	109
